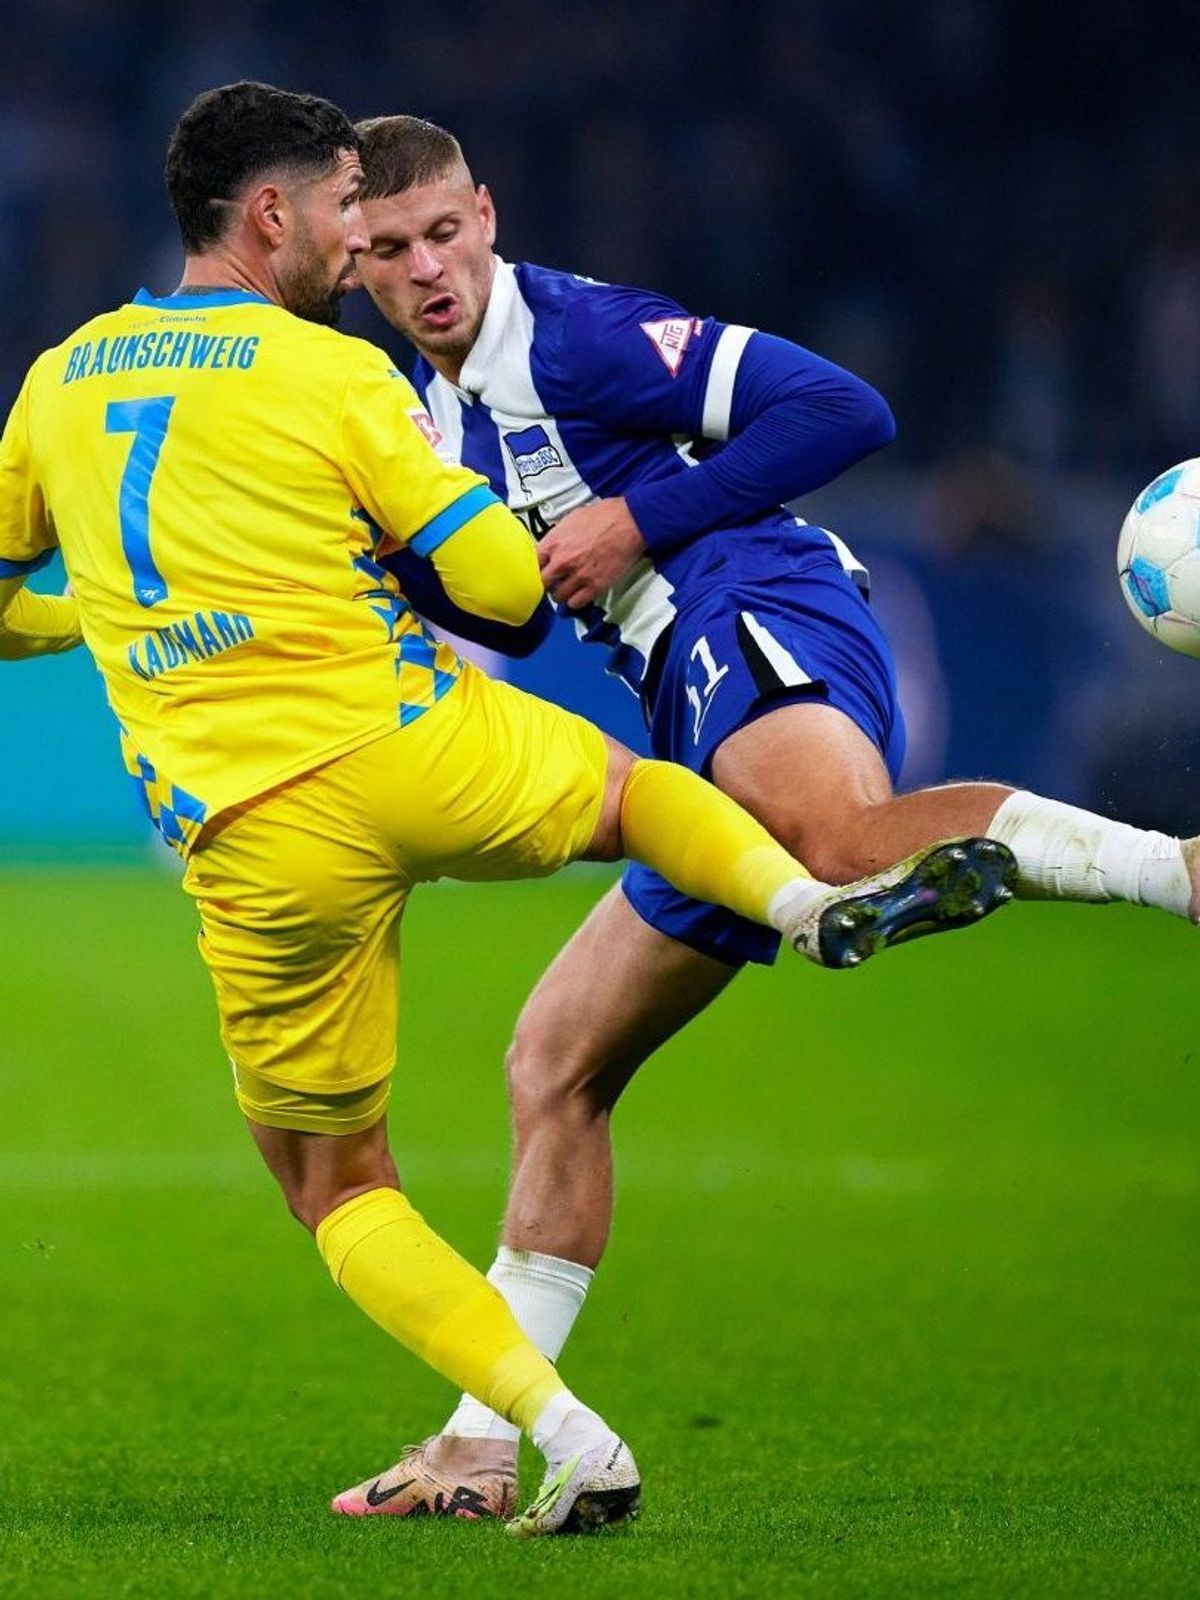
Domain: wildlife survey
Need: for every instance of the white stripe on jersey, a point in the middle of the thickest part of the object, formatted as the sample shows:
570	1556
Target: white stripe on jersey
787	668
639	605
718	395
499	372
851	565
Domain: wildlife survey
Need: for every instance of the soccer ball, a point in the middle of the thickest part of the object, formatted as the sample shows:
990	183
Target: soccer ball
1158	558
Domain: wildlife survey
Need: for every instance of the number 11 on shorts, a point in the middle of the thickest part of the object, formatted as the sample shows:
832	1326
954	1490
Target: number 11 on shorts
700	693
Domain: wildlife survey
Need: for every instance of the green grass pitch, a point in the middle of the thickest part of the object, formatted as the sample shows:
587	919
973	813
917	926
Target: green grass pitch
902	1299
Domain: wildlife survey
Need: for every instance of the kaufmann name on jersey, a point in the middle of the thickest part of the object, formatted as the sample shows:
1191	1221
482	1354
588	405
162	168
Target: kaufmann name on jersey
576	390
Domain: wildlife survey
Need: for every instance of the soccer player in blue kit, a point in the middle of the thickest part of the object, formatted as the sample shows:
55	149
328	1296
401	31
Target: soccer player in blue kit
650	451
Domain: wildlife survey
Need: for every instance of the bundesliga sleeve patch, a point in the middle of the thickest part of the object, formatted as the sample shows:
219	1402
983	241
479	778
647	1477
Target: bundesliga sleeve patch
427	426
671	336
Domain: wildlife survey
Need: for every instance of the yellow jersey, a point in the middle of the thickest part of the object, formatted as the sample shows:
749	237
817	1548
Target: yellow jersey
219	475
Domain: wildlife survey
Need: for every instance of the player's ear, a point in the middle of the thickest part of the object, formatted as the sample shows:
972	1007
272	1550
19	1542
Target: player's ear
487	212
266	209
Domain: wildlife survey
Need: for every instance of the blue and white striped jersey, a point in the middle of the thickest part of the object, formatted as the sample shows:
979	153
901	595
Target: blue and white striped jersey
576	390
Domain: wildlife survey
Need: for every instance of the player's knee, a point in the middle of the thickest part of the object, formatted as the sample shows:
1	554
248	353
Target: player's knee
550	1075
532	1069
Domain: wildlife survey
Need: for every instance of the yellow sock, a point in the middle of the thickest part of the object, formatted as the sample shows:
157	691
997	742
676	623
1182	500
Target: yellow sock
408	1279
702	841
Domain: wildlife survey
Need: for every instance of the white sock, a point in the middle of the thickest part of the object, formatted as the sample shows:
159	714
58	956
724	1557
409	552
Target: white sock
565	1427
1065	853
545	1294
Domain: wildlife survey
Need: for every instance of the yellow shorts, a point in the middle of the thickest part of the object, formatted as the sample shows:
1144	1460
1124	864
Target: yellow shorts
301	891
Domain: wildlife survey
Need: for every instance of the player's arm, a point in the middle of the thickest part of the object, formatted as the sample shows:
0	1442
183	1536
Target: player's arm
35	624
784	420
793	422
485	558
30	624
427	595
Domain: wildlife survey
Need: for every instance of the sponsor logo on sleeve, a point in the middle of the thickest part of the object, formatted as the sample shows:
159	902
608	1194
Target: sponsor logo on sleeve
531	451
671	336
427	426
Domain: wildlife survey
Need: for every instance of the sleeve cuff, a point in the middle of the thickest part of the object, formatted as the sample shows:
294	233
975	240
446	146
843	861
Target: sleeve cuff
22	569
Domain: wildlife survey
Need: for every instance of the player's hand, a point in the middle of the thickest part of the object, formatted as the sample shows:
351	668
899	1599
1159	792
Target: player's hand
588	551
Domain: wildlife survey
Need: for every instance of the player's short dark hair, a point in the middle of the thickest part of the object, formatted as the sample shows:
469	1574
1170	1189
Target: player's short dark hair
238	132
397	153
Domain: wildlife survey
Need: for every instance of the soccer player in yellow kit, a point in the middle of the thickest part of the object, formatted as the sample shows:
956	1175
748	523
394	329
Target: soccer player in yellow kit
222	471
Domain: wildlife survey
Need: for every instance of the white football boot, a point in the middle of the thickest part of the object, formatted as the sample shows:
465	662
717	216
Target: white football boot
600	1488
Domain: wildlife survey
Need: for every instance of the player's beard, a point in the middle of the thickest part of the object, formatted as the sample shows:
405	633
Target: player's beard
307	291
459	343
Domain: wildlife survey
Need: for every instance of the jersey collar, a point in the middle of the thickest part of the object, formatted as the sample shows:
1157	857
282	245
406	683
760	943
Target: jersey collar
501	299
200	302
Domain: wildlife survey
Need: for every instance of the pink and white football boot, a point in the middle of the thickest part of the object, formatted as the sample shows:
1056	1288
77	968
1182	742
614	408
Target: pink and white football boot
443	1477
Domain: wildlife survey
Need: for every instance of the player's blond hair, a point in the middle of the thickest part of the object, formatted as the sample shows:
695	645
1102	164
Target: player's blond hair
398	153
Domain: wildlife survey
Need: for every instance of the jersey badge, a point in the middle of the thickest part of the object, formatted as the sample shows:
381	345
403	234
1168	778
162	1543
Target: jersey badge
671	336
531	451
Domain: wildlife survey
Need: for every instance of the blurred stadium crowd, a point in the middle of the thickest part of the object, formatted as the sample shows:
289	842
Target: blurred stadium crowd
990	208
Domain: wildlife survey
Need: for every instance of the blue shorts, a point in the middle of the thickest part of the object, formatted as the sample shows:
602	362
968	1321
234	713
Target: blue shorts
735	654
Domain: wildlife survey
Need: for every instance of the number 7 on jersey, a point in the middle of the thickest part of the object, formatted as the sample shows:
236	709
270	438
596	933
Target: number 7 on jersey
147	421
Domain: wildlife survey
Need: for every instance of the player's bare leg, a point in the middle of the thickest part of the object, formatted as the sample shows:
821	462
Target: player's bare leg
818	784
617	991
319	1172
660	814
